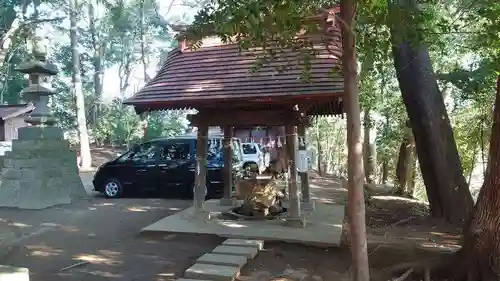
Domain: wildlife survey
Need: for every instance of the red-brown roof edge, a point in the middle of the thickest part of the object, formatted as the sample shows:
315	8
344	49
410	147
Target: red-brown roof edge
8	114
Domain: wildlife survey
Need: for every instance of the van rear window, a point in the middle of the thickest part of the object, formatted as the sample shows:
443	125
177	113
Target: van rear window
249	149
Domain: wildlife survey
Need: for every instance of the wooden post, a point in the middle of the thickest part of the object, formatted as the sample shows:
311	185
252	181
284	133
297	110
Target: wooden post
308	204
293	216
200	188
227	200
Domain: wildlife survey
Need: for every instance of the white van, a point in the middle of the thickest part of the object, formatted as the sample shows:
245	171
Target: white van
252	155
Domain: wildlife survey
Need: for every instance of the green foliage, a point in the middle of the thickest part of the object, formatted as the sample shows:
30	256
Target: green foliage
118	32
328	141
462	36
119	125
272	25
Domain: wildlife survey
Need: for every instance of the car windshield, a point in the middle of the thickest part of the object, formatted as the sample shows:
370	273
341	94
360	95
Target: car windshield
249	148
125	156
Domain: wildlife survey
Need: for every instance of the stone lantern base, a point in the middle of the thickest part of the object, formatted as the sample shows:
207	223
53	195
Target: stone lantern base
40	171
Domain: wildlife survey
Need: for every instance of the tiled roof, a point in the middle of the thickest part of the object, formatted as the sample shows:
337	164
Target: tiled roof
218	73
13	110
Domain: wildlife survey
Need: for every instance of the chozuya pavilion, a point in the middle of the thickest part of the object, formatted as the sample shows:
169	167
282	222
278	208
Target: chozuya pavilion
216	80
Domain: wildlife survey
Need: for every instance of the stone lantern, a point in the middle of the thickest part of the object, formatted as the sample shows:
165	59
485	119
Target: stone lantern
41	170
38	92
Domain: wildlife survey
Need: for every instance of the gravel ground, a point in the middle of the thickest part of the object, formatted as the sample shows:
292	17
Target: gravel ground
99	240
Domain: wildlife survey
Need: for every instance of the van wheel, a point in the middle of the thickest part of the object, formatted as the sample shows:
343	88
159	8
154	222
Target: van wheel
113	189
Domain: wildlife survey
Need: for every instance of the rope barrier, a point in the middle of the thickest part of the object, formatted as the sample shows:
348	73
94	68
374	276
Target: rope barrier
276	139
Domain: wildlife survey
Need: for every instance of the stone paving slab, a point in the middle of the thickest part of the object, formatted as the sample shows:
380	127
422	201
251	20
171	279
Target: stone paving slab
212	272
186	279
219	259
11	273
258	244
236	251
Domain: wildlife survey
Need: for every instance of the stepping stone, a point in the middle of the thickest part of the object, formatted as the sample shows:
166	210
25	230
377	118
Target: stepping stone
227	260
248	252
259	244
212	272
11	273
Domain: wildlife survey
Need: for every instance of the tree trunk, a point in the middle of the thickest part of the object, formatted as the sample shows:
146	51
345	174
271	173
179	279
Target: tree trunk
143	43
447	190
369	150
411	171
327	155
385	159
481	250
143	124
356	202
13	22
86	160
400	168
339	149
98	52
471	170
404	161
318	147
385	170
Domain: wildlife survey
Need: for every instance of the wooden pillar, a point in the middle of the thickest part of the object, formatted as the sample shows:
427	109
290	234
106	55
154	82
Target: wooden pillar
293	217
304	177
200	188
227	200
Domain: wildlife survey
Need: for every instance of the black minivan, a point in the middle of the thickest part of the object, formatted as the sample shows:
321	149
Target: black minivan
167	166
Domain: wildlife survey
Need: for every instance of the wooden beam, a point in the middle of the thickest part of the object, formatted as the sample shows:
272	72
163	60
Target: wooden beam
224	118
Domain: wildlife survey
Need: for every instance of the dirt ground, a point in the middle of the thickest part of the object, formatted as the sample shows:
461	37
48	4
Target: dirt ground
98	239
398	231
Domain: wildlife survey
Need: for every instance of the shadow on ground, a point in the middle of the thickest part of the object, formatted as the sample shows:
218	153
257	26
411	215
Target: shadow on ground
97	239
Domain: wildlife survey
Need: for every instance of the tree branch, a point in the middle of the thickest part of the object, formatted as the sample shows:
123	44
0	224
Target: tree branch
37	21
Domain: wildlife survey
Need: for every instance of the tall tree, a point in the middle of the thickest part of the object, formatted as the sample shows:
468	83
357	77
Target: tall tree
481	249
404	166
319	149
356	205
144	59
369	149
436	148
98	50
85	157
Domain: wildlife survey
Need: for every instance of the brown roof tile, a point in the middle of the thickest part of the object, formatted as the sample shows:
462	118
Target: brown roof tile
8	111
218	73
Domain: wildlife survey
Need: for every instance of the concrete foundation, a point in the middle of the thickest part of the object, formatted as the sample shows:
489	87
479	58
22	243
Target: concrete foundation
323	228
40	171
308	206
11	273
